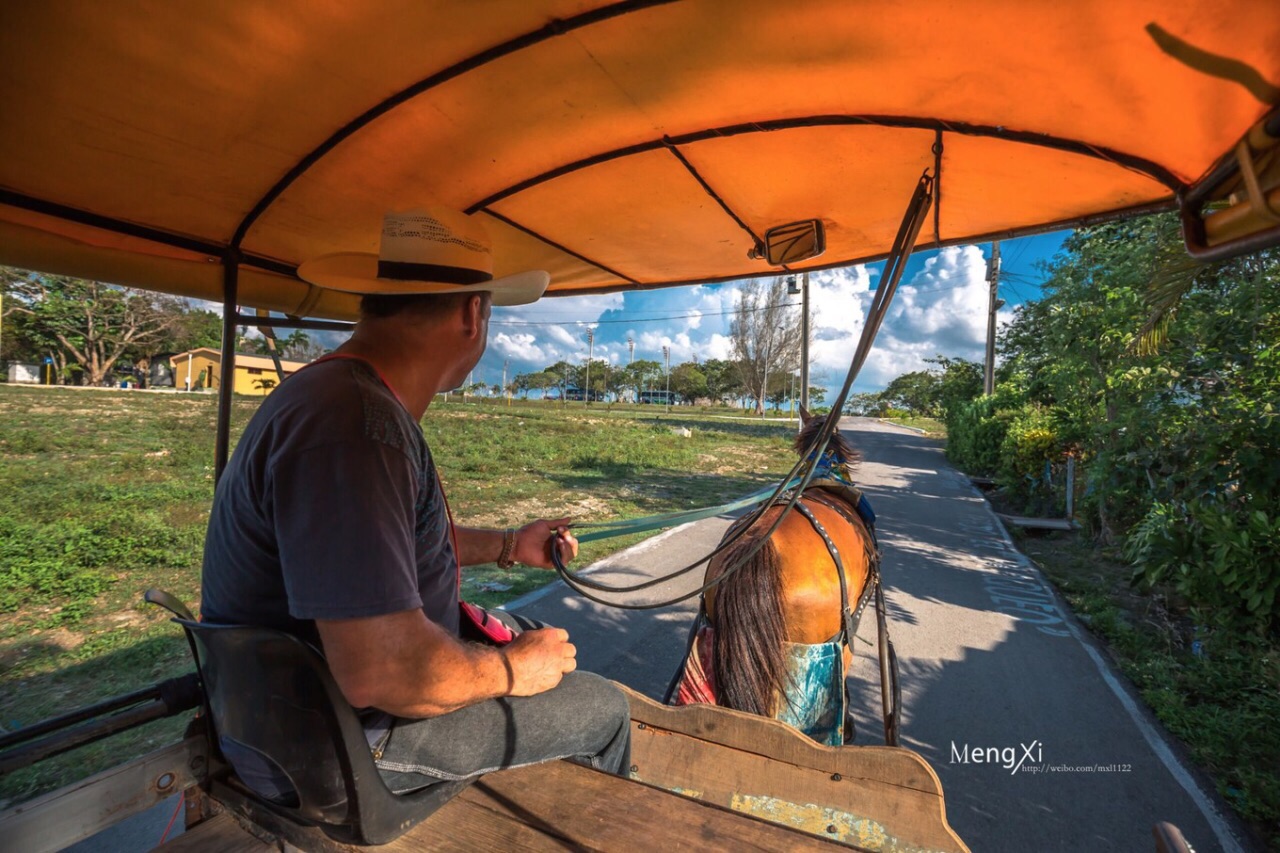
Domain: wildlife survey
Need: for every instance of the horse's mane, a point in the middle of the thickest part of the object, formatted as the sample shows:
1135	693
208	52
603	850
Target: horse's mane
838	446
750	629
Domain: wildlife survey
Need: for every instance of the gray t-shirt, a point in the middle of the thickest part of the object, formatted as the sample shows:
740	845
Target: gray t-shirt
330	508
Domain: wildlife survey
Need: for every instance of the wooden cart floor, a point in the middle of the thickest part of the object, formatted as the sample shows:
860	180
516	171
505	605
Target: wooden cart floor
553	806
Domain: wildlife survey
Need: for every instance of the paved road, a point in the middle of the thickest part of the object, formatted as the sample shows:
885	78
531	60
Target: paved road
989	659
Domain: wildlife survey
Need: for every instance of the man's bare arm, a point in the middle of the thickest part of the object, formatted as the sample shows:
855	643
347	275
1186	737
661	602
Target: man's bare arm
405	664
532	545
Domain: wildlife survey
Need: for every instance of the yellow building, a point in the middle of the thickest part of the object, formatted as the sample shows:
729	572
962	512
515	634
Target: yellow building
255	374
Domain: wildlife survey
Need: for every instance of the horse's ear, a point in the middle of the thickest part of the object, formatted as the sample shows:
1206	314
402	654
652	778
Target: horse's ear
805	417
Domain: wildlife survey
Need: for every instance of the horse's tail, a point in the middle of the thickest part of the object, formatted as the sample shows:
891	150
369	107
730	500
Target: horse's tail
750	629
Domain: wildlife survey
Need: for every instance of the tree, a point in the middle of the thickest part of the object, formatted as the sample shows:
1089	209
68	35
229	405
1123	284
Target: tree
298	346
781	386
548	381
615	381
523	383
724	379
917	392
643	375
935	391
688	382
21	341
766	337
1173	414
543	381
295	346
959	383
571	375
197	327
599	373
87	326
864	404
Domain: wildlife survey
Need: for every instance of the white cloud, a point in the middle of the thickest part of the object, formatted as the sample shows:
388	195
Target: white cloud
838	302
561	336
718	346
941	310
520	347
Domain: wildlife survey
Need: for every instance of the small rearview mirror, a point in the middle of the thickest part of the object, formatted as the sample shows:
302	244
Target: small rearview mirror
793	242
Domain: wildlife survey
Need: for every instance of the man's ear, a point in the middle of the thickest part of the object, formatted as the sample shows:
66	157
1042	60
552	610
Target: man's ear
474	311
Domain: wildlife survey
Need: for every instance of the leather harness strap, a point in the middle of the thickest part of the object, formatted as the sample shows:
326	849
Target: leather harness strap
851	619
890	688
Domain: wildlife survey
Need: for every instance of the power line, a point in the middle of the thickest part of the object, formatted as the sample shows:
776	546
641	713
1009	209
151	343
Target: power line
677	313
1027	279
1017	255
1016	292
634	320
940	289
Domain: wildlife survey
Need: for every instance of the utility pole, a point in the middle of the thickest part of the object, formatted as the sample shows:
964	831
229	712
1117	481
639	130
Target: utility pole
591	349
666	355
801	287
505	392
631	345
804	341
764	381
993	305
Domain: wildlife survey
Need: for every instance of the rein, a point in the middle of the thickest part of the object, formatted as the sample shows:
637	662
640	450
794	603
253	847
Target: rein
610	529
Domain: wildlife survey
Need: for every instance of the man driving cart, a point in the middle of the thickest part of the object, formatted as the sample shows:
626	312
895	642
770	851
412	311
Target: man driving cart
331	523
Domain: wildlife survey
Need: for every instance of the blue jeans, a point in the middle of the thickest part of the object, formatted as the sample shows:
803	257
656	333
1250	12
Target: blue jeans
584	718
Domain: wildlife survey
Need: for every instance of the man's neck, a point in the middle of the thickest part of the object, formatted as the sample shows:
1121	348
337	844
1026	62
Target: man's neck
403	363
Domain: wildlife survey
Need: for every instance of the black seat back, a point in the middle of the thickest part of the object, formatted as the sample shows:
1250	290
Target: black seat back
280	720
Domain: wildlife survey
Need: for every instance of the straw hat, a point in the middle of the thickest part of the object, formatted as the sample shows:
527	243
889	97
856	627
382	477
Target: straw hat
431	250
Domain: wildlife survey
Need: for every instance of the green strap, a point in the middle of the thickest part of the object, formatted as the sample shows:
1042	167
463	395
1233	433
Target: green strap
609	529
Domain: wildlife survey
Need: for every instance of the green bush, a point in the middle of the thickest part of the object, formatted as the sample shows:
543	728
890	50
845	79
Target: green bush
976	431
1218	553
1030	442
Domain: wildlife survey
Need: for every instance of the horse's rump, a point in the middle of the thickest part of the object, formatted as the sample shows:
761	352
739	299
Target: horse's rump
787	593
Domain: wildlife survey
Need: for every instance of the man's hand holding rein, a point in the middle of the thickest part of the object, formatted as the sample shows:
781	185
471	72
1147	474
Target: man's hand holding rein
534	541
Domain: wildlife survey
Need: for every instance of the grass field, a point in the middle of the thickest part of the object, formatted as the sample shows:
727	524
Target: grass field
106	493
929	427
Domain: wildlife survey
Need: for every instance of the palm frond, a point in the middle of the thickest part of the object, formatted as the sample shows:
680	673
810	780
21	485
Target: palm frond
1169	284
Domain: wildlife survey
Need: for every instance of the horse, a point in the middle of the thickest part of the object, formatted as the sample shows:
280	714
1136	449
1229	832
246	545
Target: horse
788	592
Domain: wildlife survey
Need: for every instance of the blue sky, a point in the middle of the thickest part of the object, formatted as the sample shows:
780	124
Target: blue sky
940	308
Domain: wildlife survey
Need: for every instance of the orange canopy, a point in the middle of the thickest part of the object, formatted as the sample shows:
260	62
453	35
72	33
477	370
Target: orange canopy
631	144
